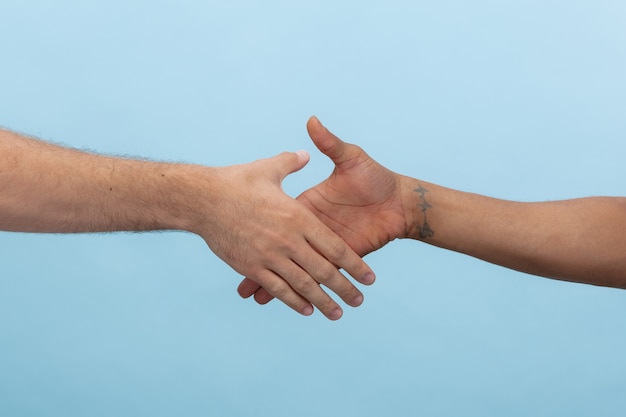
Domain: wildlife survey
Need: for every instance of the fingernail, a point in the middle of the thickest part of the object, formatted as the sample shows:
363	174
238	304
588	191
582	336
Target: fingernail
319	121
307	311
369	278
303	155
357	301
335	314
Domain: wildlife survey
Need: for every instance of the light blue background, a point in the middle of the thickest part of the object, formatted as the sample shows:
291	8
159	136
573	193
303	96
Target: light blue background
522	100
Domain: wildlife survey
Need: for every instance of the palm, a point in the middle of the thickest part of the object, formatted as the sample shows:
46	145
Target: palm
360	201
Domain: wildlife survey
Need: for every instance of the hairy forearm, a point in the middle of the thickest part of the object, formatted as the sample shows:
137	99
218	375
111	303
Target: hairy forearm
581	240
48	188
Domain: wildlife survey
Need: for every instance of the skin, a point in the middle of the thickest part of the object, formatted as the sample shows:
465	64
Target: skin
581	240
240	211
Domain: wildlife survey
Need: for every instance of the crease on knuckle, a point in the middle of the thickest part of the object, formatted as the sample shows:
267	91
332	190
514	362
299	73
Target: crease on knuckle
277	289
328	306
304	286
337	251
326	273
350	294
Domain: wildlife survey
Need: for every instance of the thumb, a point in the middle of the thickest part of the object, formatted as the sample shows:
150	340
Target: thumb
286	163
328	143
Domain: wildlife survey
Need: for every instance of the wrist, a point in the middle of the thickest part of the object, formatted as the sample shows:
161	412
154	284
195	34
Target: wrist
418	208
187	194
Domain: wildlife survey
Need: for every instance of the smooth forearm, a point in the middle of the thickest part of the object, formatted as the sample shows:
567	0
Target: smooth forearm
48	188
581	240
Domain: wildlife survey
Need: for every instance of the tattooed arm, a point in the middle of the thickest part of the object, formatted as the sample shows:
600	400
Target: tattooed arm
581	240
240	211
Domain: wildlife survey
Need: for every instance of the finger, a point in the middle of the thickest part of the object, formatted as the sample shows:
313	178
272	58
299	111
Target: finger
327	142
247	287
279	288
339	253
327	274
307	287
287	163
262	296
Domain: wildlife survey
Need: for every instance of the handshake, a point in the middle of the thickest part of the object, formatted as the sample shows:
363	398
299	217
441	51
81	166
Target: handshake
291	249
288	249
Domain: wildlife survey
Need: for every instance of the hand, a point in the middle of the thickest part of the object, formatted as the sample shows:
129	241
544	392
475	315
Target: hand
276	242
361	201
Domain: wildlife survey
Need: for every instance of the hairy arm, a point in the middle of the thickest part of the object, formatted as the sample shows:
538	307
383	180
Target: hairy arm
240	211
582	240
48	188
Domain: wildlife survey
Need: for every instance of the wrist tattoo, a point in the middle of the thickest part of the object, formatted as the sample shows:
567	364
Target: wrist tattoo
424	229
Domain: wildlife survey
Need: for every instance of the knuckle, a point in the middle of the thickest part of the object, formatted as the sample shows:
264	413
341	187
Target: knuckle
337	250
326	273
277	288
328	306
349	292
304	286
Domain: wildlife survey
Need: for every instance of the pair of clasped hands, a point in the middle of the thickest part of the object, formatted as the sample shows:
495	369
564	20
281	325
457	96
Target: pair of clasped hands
294	249
303	243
